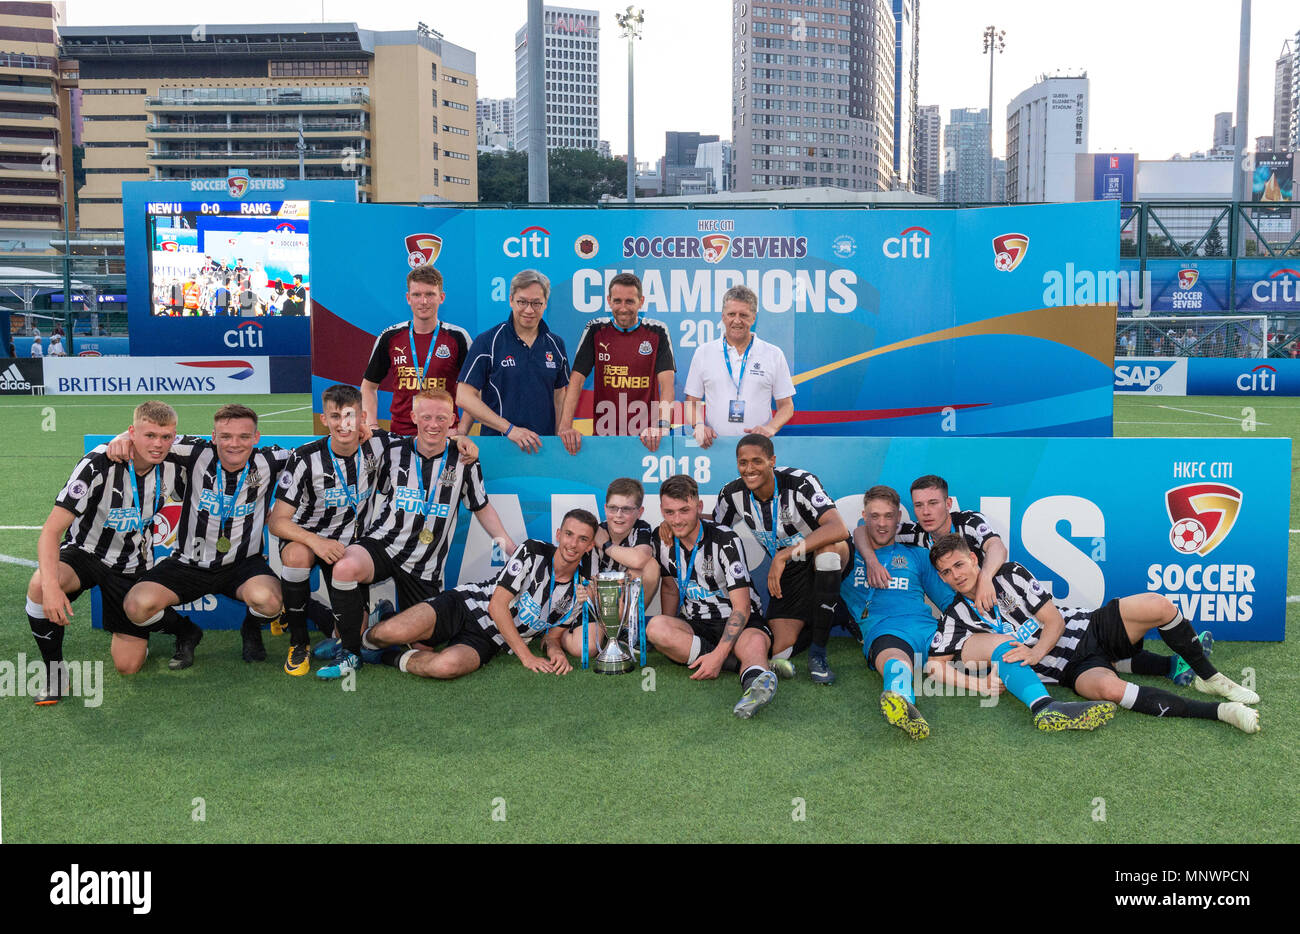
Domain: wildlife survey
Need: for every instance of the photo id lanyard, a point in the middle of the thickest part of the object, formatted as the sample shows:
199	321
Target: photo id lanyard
736	409
426	536
428	358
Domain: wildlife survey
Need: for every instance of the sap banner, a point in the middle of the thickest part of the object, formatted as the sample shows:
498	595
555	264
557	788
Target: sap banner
894	322
1202	521
123	376
1207	376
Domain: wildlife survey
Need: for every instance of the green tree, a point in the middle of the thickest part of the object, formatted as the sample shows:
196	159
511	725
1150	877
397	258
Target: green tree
577	176
1214	242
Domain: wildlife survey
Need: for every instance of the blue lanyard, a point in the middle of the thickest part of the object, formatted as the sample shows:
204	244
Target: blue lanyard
341	474
997	623
726	358
550	597
433	342
135	493
684	571
228	510
419	478
758	509
623	330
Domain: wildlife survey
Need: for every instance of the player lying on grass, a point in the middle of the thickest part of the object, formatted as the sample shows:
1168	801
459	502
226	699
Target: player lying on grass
712	621
107	511
422	482
229	484
796	522
935	516
540	591
1078	648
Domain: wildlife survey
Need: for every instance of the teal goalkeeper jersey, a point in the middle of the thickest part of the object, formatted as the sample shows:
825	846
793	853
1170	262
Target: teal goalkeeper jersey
900	606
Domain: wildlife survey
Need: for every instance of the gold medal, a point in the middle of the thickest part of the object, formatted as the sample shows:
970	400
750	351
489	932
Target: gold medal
426	537
223	544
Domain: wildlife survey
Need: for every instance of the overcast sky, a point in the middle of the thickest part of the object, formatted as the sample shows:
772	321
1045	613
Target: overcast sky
1159	69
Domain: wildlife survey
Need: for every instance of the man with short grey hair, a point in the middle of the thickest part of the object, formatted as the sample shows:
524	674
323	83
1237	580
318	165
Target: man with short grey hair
738	377
516	373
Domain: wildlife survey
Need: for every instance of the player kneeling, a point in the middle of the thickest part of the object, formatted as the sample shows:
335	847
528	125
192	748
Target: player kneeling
705	578
1079	648
541	590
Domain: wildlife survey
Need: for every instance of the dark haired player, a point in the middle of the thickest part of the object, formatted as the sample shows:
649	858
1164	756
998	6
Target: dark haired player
230	483
935	516
1078	648
422	482
100	534
632	358
710	620
421	353
540	591
796	522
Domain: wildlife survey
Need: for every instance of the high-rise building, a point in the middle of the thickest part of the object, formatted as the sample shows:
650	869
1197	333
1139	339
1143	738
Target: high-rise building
680	167
35	126
393	110
929	146
717	158
1047	125
571	58
1223	135
813	95
1286	96
501	112
966	155
907	52
1000	180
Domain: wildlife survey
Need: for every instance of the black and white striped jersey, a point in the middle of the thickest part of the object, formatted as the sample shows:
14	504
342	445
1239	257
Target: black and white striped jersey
108	524
800	501
223	513
325	504
712	570
535	607
970	525
415	520
639	534
1019	597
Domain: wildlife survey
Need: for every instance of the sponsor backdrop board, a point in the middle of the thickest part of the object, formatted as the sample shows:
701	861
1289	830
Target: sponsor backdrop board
1206	376
122	376
900	322
252	213
1201	521
19	374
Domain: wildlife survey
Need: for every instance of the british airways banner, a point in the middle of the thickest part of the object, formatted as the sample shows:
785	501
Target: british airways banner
1202	521
72	376
893	322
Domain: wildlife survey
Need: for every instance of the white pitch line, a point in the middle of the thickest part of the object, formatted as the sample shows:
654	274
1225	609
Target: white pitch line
1294	598
282	411
20	528
10	559
1184	424
1231	418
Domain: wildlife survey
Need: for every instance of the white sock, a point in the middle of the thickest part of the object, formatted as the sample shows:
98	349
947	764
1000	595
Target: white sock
785	652
294	575
1124	665
406	657
157	617
255	613
695	650
35	610
1130	696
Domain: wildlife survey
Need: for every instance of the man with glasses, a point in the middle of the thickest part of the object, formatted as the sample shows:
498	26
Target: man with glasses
516	373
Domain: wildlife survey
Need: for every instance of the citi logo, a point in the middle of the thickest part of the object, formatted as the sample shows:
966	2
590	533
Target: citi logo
248	334
88	887
532	242
1262	378
12	380
912	243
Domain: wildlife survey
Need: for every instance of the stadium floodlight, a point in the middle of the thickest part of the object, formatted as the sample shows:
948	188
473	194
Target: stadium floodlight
629	24
994	42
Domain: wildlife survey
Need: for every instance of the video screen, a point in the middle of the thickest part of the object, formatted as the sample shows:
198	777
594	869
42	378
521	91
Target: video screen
242	259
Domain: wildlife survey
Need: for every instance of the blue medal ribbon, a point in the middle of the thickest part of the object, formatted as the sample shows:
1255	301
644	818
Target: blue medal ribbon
550	598
766	537
433	481
428	357
684	571
354	502
228	505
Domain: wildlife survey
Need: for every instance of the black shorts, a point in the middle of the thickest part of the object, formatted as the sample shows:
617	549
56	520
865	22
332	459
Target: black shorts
887	641
410	589
456	625
113	587
797	600
710	631
326	570
189	583
1104	642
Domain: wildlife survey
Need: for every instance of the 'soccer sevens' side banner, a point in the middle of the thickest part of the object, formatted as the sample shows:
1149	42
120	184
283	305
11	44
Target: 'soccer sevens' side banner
1203	522
995	321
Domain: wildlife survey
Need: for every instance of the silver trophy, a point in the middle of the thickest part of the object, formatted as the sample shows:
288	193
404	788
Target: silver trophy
618	611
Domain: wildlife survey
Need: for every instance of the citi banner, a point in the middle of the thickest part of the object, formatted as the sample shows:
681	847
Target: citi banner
897	322
72	376
1204	522
1207	376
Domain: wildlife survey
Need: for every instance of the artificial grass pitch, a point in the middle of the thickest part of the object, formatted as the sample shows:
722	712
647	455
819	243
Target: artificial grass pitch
233	752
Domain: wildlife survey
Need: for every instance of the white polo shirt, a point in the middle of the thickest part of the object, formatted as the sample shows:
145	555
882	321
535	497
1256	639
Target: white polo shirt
766	379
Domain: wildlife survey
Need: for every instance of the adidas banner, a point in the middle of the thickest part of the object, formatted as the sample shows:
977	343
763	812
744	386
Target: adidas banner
19	376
